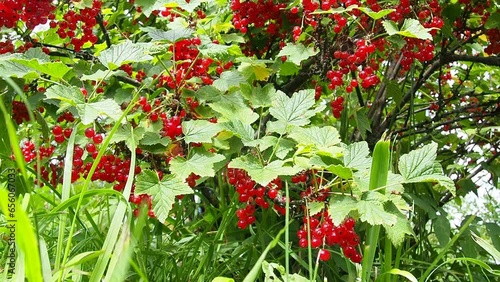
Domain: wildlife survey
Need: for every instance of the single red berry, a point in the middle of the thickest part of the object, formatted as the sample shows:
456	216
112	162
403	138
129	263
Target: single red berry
89	132
324	255
97	138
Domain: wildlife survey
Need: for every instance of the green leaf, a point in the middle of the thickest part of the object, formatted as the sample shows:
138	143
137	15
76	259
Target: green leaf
418	162
189	6
390	27
233	107
260	173
210	49
243	130
258	96
288	68
154	138
253	70
199	130
442	229
341	171
90	111
398	230
222	279
357	156
296	53
373	213
68	95
14	69
320	137
315	207
362	122
56	70
263	143
340	206
394	90
411	28
148	6
376	15
396	271
163	192
227	80
394	183
487	247
420	166
100	75
172	35
201	163
493	21
123	134
232	37
295	110
126	52
283	147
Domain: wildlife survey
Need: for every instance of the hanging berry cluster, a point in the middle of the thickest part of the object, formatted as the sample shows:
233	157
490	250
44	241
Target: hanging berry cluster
19	112
323	232
252	194
337	106
73	22
32	13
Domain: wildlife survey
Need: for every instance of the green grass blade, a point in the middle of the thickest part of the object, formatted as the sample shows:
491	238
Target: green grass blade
26	239
443	252
104	147
66	190
117	221
399	272
254	272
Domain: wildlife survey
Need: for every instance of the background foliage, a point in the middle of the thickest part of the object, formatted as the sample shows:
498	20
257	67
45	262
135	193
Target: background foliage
196	140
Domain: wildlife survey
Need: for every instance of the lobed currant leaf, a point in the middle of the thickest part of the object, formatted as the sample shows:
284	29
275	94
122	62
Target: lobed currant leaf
397	231
172	35
200	163
357	156
323	138
199	130
420	166
163	192
227	80
233	107
90	111
243	130
376	15
125	52
259	97
69	96
297	53
340	206
262	174
292	111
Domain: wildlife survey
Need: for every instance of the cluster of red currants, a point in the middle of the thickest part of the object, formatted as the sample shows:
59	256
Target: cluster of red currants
324	232
260	14
172	125
29	153
19	112
188	65
337	106
32	13
252	194
84	19
7	47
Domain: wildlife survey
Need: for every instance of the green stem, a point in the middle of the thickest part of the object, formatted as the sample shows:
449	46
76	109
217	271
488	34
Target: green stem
287	233
369	252
387	258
